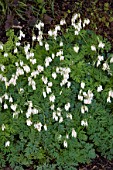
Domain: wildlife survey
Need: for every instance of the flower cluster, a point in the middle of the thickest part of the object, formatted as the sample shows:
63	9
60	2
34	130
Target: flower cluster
53	78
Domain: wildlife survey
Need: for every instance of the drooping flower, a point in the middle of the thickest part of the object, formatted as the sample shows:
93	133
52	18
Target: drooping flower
76	49
29	122
38	126
7	144
101	44
84	123
82	85
45	127
62	22
74	133
99	88
52	98
5	106
54	75
65	144
93	48
67	106
3	127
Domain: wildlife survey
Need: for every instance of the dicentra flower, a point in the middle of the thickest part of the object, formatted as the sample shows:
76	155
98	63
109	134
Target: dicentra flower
67	106
29	122
38	126
74	133
93	48
52	98
65	144
7	144
99	88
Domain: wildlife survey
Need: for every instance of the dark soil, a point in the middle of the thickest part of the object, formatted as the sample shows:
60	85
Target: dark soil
101	17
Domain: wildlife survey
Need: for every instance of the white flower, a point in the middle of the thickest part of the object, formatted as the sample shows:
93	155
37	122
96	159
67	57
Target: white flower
17	44
54	75
98	63
59	53
48	89
65	144
62	22
80	97
44	94
29	122
86	21
108	100
111	93
87	101
21	35
34	111
61	43
52	98
40	43
61	120
69	116
34	37
33	61
93	48
30	104
50	84
21	90
50	32
31	54
46	46
0	99
53	55
15	50
1	46
84	123
52	107
44	79
68	84
45	127
111	60
99	89
84	108
38	126
57	28
76	49
40	68
3	127
55	116
6	96
105	66
26	48
26	68
76	32
61	58
29	111
47	61
2	67
82	85
101	45
74	133
39	25
5	106
67	136
101	58
5	54
67	106
19	71
7	144
13	107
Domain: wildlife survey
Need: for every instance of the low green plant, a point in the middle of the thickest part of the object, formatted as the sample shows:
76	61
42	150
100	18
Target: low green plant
55	98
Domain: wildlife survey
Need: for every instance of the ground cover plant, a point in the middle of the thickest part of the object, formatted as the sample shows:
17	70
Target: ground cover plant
56	97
